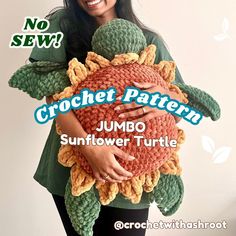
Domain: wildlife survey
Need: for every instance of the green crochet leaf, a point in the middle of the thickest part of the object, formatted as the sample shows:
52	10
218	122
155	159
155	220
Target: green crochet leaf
201	101
168	194
82	210
40	79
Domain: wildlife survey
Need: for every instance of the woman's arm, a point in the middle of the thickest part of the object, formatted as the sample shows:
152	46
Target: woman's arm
101	158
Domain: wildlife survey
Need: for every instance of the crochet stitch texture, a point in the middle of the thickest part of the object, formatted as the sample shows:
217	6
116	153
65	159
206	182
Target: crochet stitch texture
150	163
118	37
40	79
120	56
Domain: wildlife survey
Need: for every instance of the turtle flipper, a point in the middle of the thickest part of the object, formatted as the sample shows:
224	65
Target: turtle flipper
201	101
39	79
82	210
168	194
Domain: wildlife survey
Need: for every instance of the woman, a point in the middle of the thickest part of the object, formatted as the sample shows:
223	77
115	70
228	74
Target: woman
78	21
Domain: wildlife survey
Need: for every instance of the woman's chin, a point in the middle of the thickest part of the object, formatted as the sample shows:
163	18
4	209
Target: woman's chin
96	13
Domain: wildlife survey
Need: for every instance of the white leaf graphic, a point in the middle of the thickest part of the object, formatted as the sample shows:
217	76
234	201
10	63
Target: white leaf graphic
221	154
208	144
225	25
220	37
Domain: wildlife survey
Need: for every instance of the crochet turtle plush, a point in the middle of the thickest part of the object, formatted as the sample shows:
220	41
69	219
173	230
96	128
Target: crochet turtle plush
120	56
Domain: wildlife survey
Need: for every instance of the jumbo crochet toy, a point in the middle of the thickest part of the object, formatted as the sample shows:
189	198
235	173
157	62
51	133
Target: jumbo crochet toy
120	55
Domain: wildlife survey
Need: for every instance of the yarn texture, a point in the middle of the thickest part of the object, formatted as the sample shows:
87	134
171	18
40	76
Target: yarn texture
147	158
168	194
40	79
155	170
118	37
202	101
82	210
145	167
120	56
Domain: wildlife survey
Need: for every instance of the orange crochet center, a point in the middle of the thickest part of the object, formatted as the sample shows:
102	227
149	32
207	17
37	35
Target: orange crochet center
147	158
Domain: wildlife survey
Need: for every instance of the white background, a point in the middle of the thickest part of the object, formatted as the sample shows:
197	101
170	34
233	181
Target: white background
192	30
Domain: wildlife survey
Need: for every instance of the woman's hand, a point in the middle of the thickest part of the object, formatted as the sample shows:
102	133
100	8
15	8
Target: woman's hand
101	158
138	110
104	164
147	112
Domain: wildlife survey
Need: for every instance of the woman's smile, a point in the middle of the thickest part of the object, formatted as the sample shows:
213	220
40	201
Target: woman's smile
104	9
91	4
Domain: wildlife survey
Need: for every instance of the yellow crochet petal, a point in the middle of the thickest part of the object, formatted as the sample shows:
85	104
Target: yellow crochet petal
98	59
76	71
58	129
148	55
81	181
66	93
132	188
107	191
151	180
66	155
177	90
166	69
180	138
172	166
127	58
94	62
92	67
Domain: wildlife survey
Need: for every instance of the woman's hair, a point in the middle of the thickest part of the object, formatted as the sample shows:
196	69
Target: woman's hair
79	27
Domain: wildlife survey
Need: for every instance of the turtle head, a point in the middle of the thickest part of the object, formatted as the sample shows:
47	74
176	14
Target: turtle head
118	36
